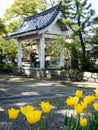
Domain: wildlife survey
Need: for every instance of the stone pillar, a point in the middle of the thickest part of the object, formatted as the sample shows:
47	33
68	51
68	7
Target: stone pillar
62	56
42	52
19	54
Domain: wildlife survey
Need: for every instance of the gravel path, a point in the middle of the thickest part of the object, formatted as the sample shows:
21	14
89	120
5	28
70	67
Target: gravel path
16	91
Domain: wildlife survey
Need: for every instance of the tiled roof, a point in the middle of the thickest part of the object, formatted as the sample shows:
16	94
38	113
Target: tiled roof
38	21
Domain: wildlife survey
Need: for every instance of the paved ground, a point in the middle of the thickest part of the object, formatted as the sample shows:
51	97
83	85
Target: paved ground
16	86
17	91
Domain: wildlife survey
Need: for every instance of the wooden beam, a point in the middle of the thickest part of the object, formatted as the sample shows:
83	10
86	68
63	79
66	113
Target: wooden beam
30	37
50	36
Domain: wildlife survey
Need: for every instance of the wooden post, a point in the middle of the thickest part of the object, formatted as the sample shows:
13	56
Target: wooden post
62	57
19	54
42	52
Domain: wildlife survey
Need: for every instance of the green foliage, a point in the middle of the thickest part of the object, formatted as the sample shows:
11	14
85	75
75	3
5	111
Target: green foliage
52	50
87	65
8	47
95	37
6	67
13	25
52	2
13	18
19	9
2	28
78	15
96	20
71	50
71	122
87	119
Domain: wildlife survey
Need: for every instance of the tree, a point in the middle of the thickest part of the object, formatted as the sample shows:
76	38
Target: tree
72	52
23	8
13	18
51	3
95	37
8	47
20	9
78	15
2	28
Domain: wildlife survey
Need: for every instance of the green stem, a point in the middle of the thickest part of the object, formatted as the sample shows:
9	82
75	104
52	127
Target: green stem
83	128
10	126
29	127
77	122
46	122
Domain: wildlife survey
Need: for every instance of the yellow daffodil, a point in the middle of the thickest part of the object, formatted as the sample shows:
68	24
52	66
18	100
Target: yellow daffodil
33	116
96	106
46	107
96	92
72	101
83	122
78	108
89	99
13	113
84	105
69	102
26	109
79	93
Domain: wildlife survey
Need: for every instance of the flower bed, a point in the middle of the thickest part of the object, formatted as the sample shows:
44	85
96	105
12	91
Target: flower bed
79	119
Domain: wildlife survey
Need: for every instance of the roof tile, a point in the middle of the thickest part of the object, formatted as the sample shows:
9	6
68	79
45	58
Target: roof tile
38	21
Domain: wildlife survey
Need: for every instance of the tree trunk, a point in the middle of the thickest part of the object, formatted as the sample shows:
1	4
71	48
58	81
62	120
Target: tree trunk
79	32
82	45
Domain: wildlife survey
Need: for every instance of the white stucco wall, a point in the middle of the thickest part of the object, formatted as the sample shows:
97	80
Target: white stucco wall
55	29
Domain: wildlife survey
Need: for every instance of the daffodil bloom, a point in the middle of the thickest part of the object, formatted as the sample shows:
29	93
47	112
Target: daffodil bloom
13	113
26	109
96	92
83	122
33	116
46	107
84	105
78	108
79	93
96	106
69	102
72	101
89	99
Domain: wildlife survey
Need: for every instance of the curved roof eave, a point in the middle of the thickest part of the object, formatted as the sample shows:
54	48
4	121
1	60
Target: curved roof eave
20	35
50	25
38	23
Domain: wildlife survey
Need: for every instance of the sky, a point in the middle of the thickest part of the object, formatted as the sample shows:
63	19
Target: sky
4	4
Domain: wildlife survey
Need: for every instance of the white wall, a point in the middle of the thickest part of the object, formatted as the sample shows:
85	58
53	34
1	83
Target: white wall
57	30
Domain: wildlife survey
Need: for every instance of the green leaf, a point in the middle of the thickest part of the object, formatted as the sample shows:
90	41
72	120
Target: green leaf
65	127
65	119
79	128
72	122
46	124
